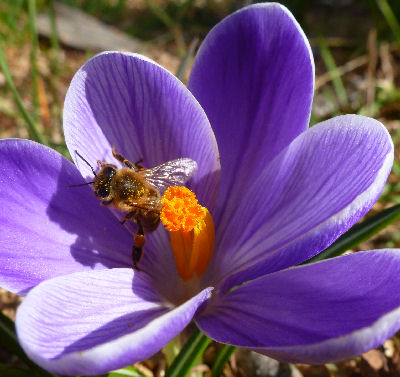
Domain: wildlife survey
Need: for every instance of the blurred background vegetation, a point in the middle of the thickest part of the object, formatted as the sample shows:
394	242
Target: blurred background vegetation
356	46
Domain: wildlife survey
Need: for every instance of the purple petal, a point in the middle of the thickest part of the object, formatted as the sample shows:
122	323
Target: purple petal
310	194
94	321
131	102
159	263
46	228
314	314
254	77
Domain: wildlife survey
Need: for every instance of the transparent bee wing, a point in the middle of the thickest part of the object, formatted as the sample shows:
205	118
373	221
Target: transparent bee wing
172	173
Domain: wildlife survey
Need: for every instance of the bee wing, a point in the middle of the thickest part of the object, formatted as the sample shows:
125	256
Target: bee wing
148	203
172	173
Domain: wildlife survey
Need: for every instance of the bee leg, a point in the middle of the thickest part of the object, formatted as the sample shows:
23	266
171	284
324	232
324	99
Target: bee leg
138	165
106	202
121	158
137	249
127	217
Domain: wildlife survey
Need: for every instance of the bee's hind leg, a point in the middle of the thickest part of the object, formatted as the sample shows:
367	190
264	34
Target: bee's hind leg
128	216
137	249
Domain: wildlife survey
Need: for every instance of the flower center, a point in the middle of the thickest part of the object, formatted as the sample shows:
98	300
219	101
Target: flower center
191	230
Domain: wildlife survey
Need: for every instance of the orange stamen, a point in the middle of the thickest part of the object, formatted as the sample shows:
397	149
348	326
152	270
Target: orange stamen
191	231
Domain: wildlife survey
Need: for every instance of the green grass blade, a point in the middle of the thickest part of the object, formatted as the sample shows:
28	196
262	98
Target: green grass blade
170	23
172	349
55	44
8	340
190	352
330	64
390	18
31	124
223	356
160	14
126	372
185	62
359	233
34	56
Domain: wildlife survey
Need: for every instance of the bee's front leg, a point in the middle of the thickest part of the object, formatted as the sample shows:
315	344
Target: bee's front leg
121	158
138	164
138	243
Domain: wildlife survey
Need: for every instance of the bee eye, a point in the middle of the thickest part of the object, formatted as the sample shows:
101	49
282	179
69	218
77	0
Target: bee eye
109	172
103	181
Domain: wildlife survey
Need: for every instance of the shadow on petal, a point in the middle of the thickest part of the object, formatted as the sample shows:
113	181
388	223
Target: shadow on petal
121	326
100	240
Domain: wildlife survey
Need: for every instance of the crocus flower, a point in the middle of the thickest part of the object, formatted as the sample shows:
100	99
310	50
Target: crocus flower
278	193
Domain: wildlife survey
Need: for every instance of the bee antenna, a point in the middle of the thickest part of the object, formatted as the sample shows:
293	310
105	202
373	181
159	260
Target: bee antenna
87	163
81	184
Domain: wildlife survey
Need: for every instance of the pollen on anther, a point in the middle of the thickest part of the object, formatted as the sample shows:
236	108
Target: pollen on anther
181	211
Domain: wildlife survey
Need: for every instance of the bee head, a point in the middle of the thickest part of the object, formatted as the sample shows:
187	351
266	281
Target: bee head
102	181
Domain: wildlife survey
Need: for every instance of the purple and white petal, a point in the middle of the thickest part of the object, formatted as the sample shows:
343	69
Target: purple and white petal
314	314
310	194
129	101
254	77
46	228
91	322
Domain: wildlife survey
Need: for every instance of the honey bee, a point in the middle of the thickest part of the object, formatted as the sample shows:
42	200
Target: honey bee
137	191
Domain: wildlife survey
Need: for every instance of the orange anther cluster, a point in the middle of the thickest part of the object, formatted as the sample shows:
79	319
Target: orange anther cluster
180	212
191	231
